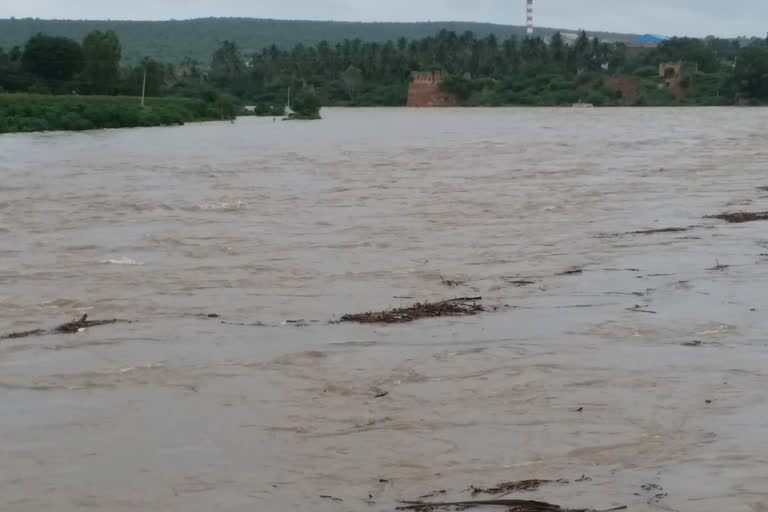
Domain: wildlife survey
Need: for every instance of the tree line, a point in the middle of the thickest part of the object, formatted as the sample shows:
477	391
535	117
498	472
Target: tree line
489	71
481	70
59	65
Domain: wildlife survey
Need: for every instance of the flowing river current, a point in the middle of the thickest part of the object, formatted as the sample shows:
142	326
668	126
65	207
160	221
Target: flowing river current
641	379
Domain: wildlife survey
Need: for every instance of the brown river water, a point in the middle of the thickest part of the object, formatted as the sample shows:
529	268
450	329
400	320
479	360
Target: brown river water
267	223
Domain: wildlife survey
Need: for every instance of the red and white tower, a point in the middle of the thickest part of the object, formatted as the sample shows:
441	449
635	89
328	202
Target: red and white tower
529	18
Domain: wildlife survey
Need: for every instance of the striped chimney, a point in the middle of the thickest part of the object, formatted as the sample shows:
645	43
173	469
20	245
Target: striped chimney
529	18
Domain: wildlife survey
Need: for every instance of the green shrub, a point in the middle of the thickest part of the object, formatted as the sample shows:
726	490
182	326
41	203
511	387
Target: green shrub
74	121
32	124
269	109
25	112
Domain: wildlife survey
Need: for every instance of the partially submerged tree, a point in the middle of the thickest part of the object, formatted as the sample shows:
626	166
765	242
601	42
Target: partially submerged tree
306	104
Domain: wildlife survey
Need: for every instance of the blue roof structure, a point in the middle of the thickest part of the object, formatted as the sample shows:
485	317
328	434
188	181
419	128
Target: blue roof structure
649	38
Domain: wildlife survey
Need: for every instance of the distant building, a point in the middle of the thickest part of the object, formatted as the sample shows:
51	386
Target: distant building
650	38
644	43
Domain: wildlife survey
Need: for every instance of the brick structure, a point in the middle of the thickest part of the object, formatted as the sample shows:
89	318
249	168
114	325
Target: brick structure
672	75
424	91
625	85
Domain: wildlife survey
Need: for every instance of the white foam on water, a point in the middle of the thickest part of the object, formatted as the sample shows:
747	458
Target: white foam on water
122	260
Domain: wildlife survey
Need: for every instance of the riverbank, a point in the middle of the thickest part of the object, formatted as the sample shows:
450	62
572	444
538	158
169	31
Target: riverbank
34	113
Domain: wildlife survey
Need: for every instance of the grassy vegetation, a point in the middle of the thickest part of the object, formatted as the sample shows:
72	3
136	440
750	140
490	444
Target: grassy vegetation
31	112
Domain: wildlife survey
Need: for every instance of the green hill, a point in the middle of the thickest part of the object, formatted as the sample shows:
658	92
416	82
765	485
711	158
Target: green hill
171	41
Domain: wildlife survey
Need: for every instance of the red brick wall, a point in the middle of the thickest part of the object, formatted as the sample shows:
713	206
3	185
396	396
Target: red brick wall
624	84
424	91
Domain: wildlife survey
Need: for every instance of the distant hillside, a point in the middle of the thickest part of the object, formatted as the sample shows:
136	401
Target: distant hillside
171	41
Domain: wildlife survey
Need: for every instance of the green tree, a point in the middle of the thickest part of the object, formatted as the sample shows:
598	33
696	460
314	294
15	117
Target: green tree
15	54
580	56
101	53
557	47
353	79
54	59
689	50
461	86
12	76
227	62
155	78
306	104
751	74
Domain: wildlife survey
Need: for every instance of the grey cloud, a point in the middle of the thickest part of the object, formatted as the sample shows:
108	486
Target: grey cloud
671	17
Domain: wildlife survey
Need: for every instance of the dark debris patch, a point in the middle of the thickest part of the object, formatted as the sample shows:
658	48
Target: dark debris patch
460	306
68	328
647	232
719	267
450	283
519	282
654	231
509	487
571	272
740	217
510	505
637	308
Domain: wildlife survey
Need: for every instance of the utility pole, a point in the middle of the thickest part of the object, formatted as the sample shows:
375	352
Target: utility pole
143	86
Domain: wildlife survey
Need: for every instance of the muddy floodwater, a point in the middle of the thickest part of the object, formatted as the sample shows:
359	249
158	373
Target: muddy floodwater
646	372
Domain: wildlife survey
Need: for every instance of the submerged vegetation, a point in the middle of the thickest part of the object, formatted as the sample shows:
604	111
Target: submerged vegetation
31	112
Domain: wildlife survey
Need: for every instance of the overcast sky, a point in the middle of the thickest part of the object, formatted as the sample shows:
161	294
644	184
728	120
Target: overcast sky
668	17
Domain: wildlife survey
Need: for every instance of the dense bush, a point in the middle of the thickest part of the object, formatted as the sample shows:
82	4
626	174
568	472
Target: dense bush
306	104
29	113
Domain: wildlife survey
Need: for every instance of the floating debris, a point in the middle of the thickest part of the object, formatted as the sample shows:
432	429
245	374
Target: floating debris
654	231
451	283
511	505
639	309
647	232
520	282
432	494
571	272
719	267
508	487
656	491
461	306
69	328
740	217
694	343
